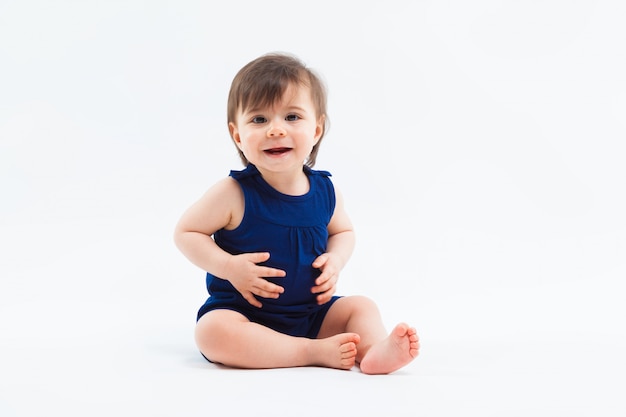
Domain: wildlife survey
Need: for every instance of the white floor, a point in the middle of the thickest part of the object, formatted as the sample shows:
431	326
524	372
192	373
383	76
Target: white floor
479	147
106	329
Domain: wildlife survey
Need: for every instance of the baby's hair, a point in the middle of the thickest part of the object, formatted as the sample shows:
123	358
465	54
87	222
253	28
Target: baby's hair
263	81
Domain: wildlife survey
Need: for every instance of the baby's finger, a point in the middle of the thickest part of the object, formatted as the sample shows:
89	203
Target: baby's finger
267	286
266	271
326	296
322	279
320	261
324	282
268	292
318	289
252	300
257	257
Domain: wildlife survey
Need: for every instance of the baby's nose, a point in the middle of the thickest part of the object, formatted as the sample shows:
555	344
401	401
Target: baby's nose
276	130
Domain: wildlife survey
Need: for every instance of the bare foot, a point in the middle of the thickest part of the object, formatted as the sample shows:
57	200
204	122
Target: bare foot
392	353
337	352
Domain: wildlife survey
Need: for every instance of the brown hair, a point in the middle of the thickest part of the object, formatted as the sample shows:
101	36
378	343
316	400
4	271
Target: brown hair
263	81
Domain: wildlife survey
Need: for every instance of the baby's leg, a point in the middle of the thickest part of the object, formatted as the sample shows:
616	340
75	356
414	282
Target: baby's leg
229	338
378	352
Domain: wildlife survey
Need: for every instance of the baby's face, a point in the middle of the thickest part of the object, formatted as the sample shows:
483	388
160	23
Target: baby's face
279	137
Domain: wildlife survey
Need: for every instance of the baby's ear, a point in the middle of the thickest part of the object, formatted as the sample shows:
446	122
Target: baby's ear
234	133
319	127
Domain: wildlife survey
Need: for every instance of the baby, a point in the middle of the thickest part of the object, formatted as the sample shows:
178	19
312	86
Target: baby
274	237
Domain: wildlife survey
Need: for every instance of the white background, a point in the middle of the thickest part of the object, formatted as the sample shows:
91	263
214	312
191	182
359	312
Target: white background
479	145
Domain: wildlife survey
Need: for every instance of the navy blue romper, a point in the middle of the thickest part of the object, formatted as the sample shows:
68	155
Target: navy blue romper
293	229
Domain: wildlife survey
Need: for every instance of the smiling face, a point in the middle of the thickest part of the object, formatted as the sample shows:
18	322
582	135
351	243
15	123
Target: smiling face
264	81
279	137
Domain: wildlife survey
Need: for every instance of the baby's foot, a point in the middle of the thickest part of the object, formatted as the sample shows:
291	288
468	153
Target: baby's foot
392	353
335	352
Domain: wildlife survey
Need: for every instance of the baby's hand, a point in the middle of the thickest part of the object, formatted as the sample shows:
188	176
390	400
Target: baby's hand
248	278
326	283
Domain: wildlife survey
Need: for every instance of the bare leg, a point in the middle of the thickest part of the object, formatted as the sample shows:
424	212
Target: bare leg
227	337
378	352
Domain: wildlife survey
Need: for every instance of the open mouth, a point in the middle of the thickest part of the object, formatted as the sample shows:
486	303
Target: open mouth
277	151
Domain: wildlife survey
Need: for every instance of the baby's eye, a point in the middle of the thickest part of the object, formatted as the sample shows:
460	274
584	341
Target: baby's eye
259	119
292	117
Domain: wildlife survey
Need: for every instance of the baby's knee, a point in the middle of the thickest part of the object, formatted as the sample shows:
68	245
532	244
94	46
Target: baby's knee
363	302
205	333
211	331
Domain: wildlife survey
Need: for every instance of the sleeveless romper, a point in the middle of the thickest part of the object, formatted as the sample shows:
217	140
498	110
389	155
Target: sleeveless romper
293	229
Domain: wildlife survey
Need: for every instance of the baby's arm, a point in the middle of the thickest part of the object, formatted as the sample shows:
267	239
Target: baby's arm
339	249
221	207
